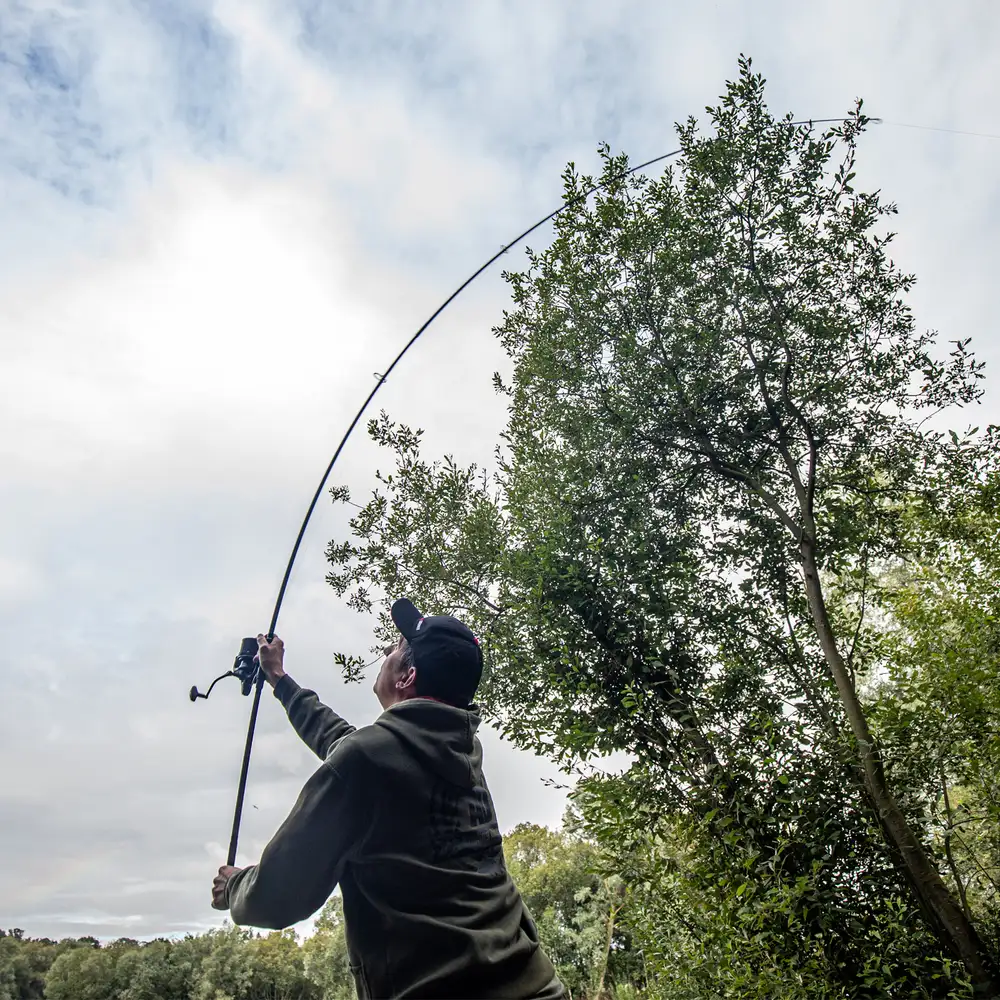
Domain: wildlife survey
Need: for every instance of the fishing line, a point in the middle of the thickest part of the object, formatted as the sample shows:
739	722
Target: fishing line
257	678
933	128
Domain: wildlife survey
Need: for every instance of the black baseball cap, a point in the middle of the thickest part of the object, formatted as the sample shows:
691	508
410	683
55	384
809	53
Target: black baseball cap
448	657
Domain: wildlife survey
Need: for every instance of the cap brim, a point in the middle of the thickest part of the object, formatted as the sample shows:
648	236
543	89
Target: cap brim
406	617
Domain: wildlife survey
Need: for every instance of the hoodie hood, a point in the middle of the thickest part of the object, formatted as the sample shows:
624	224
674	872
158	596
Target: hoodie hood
440	737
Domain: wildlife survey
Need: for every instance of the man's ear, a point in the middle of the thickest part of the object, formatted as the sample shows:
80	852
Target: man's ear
408	681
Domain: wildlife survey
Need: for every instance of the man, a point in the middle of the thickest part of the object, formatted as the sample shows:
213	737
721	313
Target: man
399	816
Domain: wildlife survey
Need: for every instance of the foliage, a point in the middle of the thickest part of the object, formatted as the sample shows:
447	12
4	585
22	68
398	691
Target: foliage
937	699
24	964
716	444
82	974
161	970
226	964
326	960
575	908
812	910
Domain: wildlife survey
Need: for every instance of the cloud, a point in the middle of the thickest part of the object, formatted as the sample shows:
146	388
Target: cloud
175	401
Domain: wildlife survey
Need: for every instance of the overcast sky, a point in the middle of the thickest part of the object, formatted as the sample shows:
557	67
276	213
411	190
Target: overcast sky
217	221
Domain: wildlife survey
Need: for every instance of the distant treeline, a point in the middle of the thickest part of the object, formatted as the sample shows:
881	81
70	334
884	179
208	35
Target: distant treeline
555	870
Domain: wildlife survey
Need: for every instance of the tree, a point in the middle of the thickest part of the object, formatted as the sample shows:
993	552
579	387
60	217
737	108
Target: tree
574	908
279	969
25	962
225	964
804	905
325	954
82	974
226	972
716	410
9	954
937	698
161	969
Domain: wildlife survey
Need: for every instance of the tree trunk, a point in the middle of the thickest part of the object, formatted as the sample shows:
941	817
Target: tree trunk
612	913
934	898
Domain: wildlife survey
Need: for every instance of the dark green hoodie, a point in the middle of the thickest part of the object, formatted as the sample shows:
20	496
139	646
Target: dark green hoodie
400	817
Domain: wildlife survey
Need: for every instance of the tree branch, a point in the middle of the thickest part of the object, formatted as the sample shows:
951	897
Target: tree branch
948	852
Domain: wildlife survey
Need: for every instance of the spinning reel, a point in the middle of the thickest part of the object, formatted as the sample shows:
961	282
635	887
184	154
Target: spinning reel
245	669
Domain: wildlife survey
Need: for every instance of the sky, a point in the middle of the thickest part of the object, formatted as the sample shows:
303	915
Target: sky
219	221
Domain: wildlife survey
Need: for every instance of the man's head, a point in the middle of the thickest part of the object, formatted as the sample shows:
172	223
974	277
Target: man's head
435	657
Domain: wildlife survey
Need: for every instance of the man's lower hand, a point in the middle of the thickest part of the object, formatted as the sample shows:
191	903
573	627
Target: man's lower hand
270	656
226	872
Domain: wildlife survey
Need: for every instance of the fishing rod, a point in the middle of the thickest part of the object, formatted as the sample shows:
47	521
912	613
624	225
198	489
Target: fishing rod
246	667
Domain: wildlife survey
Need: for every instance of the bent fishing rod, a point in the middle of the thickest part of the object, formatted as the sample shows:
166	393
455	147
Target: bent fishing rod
246	667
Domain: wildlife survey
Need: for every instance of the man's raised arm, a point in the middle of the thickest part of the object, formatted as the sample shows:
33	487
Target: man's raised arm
318	726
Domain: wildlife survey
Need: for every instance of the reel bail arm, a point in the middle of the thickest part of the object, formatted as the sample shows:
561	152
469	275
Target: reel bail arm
245	668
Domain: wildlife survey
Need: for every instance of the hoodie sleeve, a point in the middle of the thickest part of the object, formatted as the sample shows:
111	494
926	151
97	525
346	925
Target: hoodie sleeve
303	863
319	727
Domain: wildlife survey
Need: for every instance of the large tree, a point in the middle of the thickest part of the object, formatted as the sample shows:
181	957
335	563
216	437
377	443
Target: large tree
718	408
